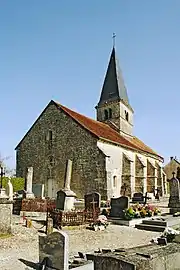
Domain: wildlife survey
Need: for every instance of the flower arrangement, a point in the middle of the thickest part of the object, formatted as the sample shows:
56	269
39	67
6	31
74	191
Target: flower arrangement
141	211
100	224
170	234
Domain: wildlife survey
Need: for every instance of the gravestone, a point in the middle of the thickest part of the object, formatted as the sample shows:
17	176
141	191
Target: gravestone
66	197
60	201
118	205
138	197
92	201
38	190
29	179
174	199
54	247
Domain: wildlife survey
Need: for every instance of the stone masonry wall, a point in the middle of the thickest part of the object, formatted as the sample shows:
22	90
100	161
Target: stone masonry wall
118	116
53	139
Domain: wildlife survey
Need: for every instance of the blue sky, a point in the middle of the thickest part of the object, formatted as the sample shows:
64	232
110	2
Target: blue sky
60	50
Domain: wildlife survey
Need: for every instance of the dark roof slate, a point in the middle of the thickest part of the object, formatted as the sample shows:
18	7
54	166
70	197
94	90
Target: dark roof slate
113	86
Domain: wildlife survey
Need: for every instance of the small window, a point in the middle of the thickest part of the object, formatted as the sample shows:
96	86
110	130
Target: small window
110	113
105	114
49	135
51	161
115	181
126	116
49	138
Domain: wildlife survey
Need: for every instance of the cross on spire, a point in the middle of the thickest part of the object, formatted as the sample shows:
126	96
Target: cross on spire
114	39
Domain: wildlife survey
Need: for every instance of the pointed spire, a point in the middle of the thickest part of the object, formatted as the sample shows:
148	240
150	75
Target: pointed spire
113	87
114	39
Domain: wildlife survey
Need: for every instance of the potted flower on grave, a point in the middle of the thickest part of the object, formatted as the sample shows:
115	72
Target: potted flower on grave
156	211
129	213
100	224
143	213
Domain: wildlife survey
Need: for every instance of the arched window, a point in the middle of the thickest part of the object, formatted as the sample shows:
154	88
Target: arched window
110	113
105	114
114	181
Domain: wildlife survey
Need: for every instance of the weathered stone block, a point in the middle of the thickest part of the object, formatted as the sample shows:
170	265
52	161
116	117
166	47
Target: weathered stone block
5	216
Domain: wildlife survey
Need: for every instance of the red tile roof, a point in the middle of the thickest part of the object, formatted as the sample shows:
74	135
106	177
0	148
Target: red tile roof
104	131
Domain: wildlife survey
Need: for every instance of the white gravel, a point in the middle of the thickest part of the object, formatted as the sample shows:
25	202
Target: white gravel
24	242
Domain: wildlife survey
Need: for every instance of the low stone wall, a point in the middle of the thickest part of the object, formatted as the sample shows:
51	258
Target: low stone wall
37	205
5	216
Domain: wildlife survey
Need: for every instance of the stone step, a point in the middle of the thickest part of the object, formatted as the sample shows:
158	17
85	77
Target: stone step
155	222
147	227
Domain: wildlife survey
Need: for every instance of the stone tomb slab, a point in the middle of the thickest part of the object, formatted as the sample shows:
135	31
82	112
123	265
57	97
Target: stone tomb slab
129	223
148	257
118	205
55	248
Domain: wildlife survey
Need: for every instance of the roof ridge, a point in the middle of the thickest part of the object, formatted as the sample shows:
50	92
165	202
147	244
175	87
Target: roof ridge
95	121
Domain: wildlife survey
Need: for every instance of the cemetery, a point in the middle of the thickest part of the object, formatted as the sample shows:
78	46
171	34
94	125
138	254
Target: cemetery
98	228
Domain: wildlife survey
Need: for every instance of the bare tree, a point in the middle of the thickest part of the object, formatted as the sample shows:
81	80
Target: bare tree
8	171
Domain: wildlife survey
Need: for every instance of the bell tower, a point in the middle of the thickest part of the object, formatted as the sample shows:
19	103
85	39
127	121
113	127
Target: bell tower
113	107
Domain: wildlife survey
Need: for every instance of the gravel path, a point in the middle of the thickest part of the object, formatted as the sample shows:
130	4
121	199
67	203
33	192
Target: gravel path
24	242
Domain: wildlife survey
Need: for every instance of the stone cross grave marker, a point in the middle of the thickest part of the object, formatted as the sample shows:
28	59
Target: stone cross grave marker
92	201
10	190
54	247
174	200
118	205
65	196
29	179
67	181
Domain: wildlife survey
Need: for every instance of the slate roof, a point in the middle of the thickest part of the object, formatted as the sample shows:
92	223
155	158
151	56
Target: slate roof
104	131
113	87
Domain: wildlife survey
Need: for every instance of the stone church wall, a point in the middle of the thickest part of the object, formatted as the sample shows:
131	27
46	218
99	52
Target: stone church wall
123	166
139	176
53	139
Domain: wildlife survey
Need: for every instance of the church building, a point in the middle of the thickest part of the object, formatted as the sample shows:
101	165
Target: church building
105	154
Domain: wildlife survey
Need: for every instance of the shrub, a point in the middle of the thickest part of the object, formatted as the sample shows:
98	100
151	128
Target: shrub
17	182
